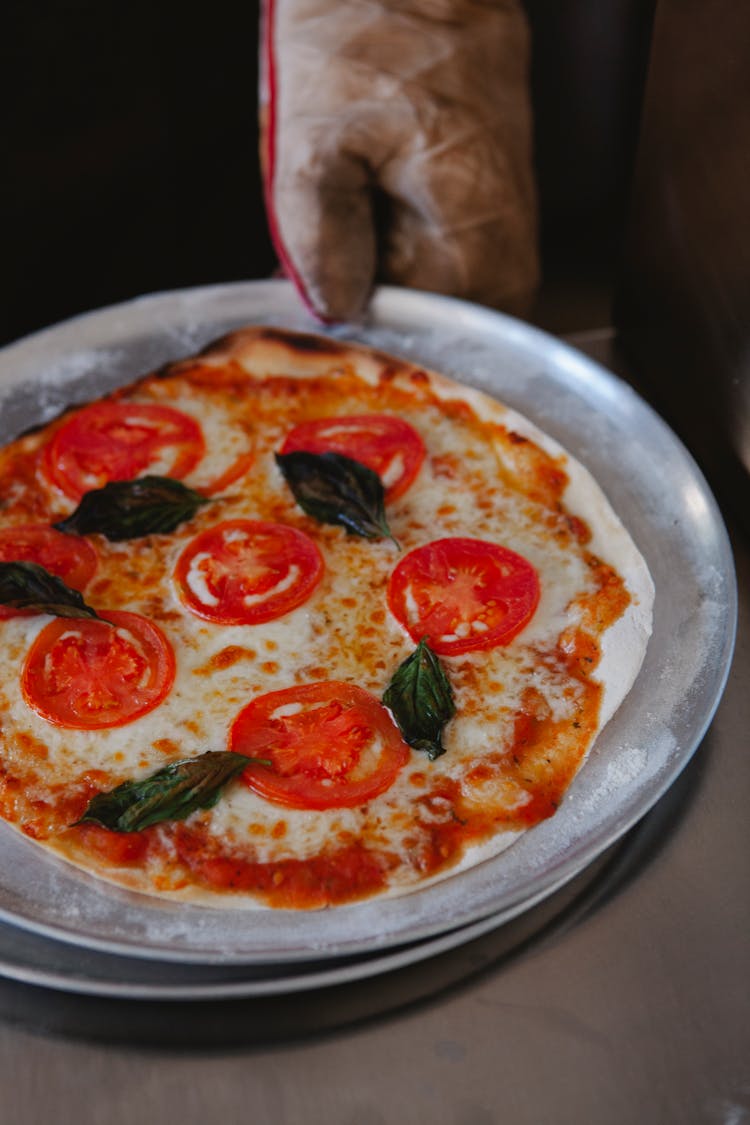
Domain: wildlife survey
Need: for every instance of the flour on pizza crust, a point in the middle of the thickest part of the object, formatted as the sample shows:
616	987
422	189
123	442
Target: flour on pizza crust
489	474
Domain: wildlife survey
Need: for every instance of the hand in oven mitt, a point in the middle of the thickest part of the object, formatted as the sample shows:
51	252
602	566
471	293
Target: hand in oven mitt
396	145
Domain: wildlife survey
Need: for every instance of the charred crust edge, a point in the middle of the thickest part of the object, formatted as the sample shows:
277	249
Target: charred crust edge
302	342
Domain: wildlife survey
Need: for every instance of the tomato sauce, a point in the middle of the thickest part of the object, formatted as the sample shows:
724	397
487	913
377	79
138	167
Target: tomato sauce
44	811
117	848
341	875
445	816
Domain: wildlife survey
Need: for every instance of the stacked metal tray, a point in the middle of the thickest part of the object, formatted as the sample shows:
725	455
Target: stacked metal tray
64	929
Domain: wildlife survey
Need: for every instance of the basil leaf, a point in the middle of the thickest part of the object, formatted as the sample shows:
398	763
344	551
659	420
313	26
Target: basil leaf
336	489
128	509
26	585
172	793
420	698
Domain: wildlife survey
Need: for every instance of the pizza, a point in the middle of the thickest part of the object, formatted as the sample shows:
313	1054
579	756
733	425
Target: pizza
294	623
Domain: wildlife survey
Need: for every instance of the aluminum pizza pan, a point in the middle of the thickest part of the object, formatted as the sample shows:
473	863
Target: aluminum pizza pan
28	958
653	484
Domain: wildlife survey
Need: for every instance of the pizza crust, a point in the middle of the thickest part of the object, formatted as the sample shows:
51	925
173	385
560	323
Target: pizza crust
279	352
268	353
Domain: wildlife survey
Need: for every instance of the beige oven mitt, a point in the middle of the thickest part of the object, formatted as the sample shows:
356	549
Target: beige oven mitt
396	146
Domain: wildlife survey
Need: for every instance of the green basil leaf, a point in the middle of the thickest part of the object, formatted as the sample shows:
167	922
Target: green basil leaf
420	698
26	585
336	489
172	793
129	509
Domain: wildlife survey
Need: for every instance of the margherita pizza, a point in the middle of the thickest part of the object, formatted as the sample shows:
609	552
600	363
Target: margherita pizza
294	623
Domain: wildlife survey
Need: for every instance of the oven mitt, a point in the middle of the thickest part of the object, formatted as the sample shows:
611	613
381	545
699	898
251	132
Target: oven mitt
396	146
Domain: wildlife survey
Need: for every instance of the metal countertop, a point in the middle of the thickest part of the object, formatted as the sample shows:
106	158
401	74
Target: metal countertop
628	1003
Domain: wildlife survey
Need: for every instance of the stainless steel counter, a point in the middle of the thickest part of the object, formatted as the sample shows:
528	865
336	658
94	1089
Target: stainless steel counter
623	1000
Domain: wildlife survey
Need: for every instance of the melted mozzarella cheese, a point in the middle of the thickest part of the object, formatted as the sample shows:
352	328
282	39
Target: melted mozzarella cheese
343	632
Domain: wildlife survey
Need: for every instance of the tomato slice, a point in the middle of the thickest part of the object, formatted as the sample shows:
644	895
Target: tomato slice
84	674
68	556
118	441
385	443
331	745
244	572
463	594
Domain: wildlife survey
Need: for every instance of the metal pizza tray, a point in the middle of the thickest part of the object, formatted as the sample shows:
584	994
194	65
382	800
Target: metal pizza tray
276	992
653	484
32	959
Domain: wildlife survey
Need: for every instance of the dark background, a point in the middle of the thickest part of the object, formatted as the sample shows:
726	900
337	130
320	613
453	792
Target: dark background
130	152
130	166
